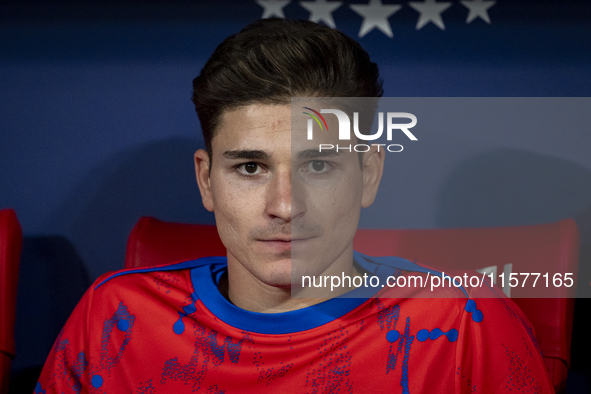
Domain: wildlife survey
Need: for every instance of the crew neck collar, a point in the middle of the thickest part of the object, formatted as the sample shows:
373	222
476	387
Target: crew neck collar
205	280
207	272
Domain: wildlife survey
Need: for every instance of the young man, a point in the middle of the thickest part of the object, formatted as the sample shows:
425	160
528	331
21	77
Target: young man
284	210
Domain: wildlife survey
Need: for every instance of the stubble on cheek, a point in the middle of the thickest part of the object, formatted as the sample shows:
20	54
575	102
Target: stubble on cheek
228	213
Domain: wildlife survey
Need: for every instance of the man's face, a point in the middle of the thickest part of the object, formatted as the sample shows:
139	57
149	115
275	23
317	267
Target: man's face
278	204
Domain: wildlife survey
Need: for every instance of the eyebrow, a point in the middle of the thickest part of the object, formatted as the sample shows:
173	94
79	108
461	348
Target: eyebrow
246	154
314	153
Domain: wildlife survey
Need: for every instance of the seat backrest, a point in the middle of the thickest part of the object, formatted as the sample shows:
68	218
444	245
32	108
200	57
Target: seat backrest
11	241
542	248
155	242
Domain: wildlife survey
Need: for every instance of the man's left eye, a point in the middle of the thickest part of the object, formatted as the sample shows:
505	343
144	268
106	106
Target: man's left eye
317	167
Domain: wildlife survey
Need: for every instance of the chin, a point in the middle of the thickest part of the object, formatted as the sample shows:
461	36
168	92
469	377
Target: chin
307	266
278	280
277	274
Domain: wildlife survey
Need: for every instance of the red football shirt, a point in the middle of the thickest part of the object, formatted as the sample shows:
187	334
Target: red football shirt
169	330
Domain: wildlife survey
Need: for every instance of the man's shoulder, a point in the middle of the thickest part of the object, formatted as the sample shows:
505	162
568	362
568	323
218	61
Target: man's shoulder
421	287
156	278
403	278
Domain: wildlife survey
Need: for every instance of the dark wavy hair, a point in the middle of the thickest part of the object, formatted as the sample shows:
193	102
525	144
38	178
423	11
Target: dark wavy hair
272	60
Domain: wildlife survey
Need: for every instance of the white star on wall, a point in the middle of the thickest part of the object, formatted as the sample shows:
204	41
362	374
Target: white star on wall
321	11
273	7
478	9
375	14
430	12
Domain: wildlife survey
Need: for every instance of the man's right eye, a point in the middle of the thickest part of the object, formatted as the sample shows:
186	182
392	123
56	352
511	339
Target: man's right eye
248	169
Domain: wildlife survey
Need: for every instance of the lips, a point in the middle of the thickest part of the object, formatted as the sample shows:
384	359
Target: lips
283	239
284	245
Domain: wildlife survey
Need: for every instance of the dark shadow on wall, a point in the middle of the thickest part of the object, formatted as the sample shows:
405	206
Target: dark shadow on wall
507	187
153	179
52	278
581	348
513	187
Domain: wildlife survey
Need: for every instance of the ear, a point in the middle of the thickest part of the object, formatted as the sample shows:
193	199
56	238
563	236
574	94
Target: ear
373	167
203	180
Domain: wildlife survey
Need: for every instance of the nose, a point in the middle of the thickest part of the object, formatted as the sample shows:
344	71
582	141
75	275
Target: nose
283	201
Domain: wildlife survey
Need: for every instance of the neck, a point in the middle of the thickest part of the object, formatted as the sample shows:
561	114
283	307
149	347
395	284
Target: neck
246	291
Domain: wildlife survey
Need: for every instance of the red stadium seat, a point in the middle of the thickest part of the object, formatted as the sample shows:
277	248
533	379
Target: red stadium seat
11	240
543	248
154	242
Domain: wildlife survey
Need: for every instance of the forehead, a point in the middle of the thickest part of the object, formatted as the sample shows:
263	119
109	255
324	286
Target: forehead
259	125
255	123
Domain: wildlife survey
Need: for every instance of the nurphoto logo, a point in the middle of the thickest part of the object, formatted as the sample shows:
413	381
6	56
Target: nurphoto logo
345	129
